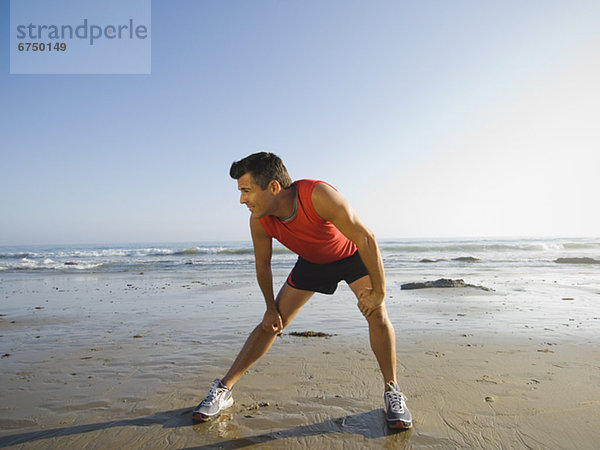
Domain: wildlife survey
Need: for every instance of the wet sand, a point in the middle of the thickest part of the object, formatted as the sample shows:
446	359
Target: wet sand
477	371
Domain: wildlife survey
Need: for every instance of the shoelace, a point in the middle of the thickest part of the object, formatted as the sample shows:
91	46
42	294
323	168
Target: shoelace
212	395
395	399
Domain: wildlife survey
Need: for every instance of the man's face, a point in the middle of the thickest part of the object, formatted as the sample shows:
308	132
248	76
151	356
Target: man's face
256	199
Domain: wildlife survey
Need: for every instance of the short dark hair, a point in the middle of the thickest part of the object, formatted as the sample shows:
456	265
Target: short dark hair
263	167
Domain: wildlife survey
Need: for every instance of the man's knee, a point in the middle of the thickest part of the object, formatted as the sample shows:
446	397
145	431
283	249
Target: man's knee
378	317
285	321
267	329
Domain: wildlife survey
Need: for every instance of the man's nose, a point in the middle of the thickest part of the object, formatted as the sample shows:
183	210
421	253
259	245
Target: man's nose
242	198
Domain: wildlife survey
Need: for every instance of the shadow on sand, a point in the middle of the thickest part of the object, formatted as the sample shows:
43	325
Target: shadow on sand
369	424
168	419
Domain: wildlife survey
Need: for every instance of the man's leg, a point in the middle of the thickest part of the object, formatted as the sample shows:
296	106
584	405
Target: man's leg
381	334
289	302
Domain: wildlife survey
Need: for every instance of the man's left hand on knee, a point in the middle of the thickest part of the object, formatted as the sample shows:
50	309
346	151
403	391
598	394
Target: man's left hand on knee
370	301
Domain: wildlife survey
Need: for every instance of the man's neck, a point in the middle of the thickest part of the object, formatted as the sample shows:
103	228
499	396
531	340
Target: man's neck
287	205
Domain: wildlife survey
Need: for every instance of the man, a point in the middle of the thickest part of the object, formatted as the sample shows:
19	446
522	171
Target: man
313	220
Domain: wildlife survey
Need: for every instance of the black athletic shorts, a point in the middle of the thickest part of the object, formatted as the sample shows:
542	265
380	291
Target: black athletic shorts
324	278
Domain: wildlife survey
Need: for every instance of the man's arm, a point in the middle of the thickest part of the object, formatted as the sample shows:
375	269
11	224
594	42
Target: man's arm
263	251
331	206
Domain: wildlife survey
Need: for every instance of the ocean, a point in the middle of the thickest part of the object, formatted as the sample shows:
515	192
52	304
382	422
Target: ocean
398	255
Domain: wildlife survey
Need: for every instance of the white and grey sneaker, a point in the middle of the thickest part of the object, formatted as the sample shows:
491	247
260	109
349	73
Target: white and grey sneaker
396	413
218	399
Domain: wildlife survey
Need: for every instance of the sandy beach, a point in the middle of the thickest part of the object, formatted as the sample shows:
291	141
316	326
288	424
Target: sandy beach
120	360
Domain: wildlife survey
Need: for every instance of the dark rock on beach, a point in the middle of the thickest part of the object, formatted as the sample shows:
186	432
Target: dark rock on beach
442	283
577	261
468	259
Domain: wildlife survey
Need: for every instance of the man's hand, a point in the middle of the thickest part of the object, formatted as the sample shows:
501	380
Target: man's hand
369	301
272	321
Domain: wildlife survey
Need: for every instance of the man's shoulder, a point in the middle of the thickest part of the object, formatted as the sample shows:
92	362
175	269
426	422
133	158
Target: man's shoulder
309	184
306	182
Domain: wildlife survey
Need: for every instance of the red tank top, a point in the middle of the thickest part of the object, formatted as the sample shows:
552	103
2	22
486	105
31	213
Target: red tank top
307	234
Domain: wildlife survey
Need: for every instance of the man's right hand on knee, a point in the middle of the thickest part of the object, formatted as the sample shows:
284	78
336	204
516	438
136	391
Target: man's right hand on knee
272	321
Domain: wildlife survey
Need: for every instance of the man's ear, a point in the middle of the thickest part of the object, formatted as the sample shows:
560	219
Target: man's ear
274	187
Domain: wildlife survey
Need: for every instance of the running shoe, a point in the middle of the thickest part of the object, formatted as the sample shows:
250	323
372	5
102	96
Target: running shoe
218	399
396	413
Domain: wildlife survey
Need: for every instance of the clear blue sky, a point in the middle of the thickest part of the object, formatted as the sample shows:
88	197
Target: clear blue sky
434	118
